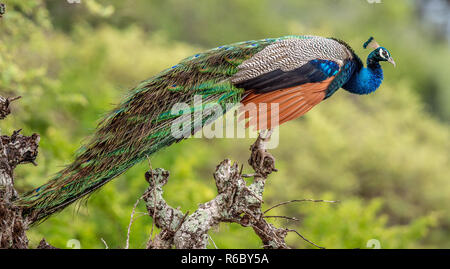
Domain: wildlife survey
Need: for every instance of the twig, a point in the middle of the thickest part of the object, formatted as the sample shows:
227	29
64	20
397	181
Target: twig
4	105
253	194
149	162
131	222
11	99
273	237
282	217
304	238
104	242
181	221
214	243
302	200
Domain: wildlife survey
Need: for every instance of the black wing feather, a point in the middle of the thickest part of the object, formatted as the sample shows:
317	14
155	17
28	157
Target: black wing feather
311	72
278	79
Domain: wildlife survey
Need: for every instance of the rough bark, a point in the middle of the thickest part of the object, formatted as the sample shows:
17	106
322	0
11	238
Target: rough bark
44	245
236	202
14	150
4	106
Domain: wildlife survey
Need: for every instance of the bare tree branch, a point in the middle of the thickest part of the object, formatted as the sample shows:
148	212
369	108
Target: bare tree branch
44	245
4	106
14	150
236	202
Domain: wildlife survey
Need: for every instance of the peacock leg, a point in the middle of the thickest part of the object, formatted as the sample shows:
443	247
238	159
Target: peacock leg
261	160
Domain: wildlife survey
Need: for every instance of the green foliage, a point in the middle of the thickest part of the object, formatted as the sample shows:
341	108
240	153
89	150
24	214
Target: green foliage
384	156
353	223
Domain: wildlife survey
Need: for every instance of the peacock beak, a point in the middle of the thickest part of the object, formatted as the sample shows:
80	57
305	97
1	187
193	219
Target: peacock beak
391	61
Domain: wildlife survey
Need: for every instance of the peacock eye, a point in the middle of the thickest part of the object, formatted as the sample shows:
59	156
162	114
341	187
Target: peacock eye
384	54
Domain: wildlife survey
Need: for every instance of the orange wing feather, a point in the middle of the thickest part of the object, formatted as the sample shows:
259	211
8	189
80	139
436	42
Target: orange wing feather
292	102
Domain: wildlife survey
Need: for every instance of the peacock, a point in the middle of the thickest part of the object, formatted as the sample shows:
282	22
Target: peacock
294	72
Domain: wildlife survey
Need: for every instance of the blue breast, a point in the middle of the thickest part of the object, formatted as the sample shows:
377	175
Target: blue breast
366	80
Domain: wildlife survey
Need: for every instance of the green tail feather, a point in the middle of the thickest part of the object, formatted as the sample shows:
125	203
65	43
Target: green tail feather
141	125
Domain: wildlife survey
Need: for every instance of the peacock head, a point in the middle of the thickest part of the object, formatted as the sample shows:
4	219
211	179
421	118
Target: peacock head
379	54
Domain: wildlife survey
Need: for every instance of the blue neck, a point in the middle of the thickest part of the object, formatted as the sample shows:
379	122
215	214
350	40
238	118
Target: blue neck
367	79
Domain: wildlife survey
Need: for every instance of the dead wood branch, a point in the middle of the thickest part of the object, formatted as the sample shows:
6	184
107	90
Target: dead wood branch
4	106
14	150
44	245
236	202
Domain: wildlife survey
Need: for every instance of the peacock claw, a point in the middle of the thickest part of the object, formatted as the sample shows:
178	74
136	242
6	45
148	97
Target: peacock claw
262	161
263	155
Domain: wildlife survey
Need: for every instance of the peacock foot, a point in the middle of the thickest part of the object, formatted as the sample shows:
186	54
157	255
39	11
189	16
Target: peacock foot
261	160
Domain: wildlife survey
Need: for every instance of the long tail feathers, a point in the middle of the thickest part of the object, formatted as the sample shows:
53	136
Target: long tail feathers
138	127
141	124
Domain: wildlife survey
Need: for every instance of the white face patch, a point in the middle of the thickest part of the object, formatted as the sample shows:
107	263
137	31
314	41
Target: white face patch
383	54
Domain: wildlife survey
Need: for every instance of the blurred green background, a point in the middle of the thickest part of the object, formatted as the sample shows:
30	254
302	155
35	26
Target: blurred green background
384	156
